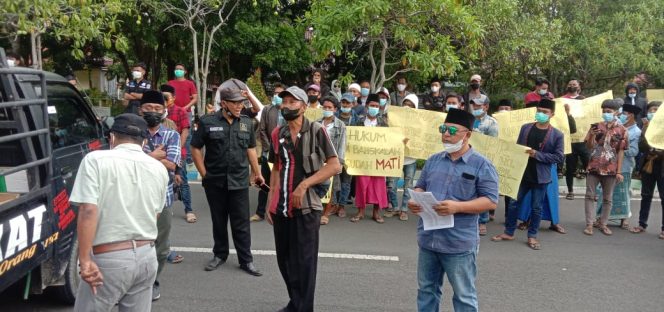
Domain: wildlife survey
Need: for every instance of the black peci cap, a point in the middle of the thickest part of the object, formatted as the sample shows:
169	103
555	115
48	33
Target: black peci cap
460	117
129	124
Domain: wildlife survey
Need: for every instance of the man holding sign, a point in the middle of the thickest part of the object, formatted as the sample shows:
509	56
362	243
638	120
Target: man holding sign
466	183
546	149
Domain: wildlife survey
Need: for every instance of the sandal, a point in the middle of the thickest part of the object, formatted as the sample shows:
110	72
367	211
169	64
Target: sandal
637	230
403	216
588	230
502	237
624	224
174	257
534	245
191	217
356	218
569	196
482	229
605	230
378	219
557	228
389	213
341	213
324	220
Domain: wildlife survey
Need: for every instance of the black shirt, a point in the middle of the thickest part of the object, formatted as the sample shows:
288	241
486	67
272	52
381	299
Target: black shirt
434	103
134	86
535	140
226	145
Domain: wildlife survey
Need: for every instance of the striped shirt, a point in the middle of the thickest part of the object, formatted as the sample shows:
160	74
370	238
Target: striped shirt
171	141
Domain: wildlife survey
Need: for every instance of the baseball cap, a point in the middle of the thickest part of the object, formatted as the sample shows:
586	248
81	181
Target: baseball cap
314	87
295	92
129	124
476	77
231	90
348	97
482	99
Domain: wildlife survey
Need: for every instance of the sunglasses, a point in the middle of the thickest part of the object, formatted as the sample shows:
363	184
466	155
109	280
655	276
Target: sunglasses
451	129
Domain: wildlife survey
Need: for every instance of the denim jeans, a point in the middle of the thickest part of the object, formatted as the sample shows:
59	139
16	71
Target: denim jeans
461	271
341	197
392	188
185	191
484	217
537	196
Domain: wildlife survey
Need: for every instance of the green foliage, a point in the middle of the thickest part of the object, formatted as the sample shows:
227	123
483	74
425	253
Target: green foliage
255	84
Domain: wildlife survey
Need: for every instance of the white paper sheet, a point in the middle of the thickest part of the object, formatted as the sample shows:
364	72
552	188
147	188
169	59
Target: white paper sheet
430	219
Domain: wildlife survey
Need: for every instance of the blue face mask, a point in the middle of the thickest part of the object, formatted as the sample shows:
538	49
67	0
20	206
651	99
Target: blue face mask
345	110
373	111
383	102
364	92
541	117
632	95
276	100
448	107
649	116
478	112
327	114
608	117
623	119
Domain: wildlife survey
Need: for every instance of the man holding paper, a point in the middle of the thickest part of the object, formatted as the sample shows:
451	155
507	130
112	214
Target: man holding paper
465	184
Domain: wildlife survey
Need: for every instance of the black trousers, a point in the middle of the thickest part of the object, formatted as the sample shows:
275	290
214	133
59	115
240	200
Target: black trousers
225	204
296	241
579	152
648	183
262	196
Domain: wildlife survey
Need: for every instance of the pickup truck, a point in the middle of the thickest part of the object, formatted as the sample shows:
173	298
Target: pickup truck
46	128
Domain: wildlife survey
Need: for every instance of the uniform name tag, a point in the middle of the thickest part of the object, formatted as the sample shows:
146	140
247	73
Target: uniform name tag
244	128
216	128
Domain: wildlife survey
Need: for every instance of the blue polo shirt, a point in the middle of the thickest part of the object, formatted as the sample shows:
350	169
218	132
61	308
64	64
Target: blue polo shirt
469	177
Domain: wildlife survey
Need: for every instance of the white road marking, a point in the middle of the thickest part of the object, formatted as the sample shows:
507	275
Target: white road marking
274	253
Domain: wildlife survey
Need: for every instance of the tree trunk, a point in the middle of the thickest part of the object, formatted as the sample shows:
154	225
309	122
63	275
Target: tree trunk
33	50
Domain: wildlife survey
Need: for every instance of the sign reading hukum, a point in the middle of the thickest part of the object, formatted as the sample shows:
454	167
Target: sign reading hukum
374	151
421	129
509	158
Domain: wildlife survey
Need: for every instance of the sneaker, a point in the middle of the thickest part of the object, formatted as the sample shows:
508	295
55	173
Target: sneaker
155	293
256	218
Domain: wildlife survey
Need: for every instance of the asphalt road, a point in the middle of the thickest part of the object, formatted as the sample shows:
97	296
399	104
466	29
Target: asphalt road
572	272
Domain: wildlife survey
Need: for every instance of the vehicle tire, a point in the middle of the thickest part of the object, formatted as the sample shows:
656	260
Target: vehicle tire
67	292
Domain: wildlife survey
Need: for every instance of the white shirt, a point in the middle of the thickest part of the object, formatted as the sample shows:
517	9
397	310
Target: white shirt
370	123
129	189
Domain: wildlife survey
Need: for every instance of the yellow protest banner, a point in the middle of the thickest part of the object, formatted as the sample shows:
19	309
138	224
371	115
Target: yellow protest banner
509	124
421	129
374	151
313	114
655	94
586	112
509	158
655	131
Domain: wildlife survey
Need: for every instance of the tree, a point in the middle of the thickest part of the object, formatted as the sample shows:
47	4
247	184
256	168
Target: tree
78	22
203	19
426	37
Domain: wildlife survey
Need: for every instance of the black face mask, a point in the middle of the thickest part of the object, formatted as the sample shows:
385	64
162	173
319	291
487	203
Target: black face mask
312	98
571	89
153	119
290	114
474	86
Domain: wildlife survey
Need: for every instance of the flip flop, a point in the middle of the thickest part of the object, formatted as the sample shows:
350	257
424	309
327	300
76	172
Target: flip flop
174	258
356	219
569	196
190	217
403	216
501	237
341	213
534	245
624	225
605	230
661	235
482	229
324	220
378	219
557	228
637	230
588	230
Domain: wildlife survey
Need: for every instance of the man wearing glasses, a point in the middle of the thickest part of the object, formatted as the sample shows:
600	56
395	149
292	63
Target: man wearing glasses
465	184
229	141
546	149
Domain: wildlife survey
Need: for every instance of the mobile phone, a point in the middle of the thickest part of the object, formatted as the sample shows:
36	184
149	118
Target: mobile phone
264	187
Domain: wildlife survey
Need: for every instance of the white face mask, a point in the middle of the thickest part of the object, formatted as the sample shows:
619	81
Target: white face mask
136	74
11	63
453	148
401	87
435	89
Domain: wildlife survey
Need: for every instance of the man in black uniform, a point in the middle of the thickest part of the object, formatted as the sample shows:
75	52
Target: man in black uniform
135	88
434	100
229	141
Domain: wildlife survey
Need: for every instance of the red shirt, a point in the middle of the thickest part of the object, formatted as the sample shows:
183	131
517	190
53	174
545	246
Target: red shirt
181	119
534	97
184	89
